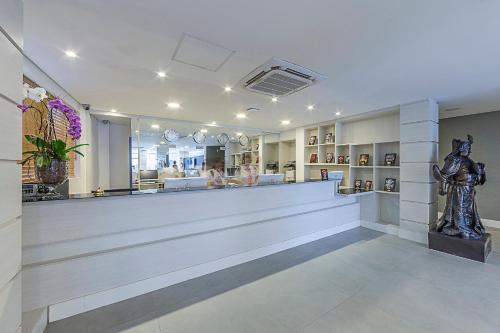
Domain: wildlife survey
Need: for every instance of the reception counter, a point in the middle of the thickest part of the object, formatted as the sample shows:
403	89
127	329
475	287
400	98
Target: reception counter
82	254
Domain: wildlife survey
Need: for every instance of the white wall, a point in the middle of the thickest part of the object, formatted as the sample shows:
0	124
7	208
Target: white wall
109	161
380	129
10	172
119	155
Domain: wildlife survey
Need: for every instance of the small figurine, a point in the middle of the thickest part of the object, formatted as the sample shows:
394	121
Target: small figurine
458	177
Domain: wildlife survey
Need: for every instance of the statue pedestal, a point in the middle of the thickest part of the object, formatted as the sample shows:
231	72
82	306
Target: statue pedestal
471	249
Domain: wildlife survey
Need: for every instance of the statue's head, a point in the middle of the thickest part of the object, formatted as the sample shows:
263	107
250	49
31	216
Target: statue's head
462	148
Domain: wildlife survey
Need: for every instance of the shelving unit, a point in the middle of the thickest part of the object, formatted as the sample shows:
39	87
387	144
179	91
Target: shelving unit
271	154
376	137
323	149
286	153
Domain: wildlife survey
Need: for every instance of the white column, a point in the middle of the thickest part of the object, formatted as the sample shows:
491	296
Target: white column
103	155
419	151
299	154
10	172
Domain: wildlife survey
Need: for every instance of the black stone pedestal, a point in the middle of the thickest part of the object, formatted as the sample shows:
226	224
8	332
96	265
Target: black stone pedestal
472	249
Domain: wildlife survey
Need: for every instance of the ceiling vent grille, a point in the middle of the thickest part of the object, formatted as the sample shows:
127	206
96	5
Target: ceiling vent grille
280	78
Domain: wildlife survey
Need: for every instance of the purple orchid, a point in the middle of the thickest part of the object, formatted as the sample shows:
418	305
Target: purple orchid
75	127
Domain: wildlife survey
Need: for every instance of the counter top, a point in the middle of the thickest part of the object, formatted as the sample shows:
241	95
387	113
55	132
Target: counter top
135	192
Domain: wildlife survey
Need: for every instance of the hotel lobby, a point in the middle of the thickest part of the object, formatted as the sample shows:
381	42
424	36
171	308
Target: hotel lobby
229	166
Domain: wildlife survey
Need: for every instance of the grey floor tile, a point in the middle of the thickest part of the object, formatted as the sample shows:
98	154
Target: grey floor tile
230	312
357	281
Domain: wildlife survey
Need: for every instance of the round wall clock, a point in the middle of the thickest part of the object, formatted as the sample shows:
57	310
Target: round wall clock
244	140
199	137
223	138
171	135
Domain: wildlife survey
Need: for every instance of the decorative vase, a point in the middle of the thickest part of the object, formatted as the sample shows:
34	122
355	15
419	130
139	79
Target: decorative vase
54	174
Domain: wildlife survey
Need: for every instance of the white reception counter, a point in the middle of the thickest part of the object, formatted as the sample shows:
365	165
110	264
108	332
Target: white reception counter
82	254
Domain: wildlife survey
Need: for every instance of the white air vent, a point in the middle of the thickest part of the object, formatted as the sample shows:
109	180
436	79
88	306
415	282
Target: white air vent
280	78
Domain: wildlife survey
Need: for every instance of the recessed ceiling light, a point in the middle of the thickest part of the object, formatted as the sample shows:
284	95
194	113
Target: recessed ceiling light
241	115
113	110
274	99
173	105
161	74
285	122
203	130
71	54
162	142
155	126
310	107
137	131
337	113
227	88
213	123
239	134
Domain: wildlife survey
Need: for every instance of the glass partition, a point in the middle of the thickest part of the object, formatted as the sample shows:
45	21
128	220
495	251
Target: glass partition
170	154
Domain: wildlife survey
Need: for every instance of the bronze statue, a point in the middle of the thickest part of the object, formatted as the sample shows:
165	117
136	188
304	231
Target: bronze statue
458	177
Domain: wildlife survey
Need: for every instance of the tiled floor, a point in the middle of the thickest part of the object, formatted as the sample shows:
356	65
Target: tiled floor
357	281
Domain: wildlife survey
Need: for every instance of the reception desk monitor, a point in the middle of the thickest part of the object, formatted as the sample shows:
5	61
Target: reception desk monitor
149	175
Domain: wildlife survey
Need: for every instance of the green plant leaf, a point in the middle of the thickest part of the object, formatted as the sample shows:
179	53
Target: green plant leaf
42	161
77	146
38	142
79	153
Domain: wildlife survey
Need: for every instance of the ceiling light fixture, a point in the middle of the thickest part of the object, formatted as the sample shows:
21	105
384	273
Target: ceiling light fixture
239	134
71	54
310	107
241	116
113	110
155	126
227	89
162	142
337	113
213	123
274	99
203	130
285	122
173	105
161	74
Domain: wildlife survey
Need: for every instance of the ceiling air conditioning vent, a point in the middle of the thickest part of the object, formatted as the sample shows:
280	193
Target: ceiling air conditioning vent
280	78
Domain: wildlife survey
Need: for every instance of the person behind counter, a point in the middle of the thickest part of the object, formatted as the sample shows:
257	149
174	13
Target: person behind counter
216	175
248	175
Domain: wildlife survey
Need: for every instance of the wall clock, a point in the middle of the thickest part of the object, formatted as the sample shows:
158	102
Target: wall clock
244	140
223	138
199	137
171	135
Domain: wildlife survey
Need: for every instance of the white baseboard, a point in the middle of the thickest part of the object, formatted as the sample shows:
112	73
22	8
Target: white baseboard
486	222
387	228
79	305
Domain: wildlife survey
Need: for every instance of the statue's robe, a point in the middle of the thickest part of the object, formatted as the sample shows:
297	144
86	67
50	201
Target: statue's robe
460	216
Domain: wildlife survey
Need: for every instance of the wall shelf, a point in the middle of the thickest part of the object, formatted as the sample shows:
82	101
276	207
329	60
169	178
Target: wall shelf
385	192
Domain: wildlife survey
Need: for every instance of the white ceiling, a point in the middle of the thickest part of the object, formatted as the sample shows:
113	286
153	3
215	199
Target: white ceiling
375	53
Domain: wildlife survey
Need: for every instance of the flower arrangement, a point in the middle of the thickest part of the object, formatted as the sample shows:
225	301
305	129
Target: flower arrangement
50	150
